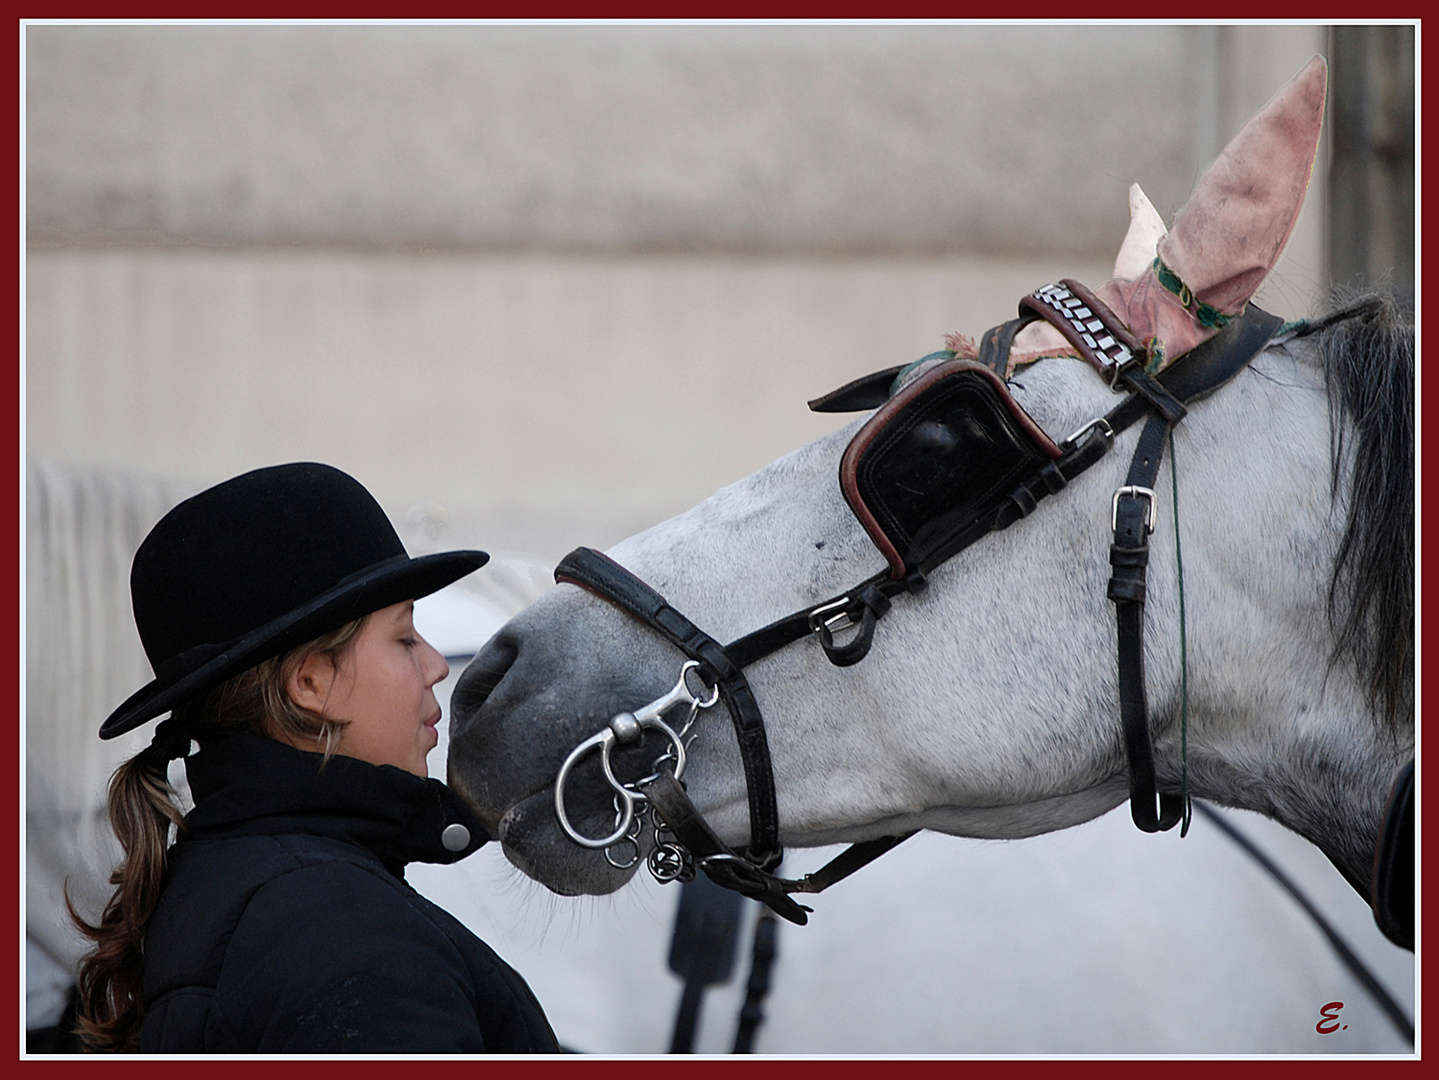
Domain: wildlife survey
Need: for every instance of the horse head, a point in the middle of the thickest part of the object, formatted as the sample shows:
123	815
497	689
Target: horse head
986	702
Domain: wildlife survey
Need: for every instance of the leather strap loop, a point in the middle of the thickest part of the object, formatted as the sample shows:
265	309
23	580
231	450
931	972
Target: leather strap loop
855	650
1023	501
1151	390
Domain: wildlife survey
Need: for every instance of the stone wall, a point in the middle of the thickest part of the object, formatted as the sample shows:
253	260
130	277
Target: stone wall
528	279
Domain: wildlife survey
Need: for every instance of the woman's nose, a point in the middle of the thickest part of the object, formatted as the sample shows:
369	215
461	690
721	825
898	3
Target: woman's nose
436	666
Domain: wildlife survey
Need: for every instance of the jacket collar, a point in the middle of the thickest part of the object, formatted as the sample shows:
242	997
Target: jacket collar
245	784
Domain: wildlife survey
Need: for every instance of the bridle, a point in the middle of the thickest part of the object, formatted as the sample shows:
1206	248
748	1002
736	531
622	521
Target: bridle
948	457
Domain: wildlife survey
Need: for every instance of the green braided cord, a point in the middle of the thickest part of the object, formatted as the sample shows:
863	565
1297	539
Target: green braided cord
1183	655
943	354
1298	326
1155	364
1206	315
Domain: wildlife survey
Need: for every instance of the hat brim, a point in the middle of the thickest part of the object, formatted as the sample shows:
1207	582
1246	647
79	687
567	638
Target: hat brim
373	588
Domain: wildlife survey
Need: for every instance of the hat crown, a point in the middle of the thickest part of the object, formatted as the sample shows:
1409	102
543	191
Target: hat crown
247	551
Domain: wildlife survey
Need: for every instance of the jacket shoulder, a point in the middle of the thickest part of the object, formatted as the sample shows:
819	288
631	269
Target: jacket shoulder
329	952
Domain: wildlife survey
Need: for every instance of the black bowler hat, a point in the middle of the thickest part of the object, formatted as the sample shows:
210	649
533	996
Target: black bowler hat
250	568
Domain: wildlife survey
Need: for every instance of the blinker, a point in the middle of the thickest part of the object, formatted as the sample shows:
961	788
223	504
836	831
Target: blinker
937	464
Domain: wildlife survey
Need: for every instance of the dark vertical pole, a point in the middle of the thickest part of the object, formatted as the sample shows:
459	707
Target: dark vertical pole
752	1013
702	952
1371	171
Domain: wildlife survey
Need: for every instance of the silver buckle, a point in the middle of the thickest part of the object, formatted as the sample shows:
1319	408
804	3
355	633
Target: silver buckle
840	620
1138	493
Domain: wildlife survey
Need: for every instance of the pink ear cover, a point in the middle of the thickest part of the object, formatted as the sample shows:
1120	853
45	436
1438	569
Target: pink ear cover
1225	239
1231	232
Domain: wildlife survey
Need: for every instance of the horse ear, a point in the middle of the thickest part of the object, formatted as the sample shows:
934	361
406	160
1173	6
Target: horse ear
1231	232
1141	243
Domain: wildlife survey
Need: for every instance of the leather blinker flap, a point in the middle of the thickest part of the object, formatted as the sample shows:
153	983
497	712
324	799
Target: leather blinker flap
931	469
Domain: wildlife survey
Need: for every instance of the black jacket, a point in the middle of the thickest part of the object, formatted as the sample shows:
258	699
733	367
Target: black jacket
286	925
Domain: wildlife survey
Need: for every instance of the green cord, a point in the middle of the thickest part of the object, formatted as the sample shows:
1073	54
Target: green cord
1183	654
1203	313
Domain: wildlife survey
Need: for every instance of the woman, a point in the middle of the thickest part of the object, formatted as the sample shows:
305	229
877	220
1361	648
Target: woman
277	612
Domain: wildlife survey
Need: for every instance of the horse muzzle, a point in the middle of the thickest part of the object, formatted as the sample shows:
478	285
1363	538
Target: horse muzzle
510	733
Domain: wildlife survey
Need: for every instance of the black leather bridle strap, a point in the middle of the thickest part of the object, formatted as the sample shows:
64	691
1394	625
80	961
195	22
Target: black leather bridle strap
721	865
1134	511
598	573
995	344
731	870
845	863
1201	371
864	604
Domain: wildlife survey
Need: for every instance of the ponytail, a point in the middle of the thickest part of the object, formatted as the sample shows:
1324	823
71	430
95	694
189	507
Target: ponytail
144	808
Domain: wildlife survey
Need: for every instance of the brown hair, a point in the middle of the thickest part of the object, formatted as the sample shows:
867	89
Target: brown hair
144	808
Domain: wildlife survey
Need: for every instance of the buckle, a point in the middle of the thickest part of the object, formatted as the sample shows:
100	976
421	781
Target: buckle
841	619
1136	492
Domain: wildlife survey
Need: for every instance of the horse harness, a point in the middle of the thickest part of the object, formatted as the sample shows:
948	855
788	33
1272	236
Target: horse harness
948	457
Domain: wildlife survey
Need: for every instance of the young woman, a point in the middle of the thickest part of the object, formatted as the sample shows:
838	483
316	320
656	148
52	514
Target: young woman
277	612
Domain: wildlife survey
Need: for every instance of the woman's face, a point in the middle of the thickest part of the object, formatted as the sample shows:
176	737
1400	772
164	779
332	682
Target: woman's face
383	687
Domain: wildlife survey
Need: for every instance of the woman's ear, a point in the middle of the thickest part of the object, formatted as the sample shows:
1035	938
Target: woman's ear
309	685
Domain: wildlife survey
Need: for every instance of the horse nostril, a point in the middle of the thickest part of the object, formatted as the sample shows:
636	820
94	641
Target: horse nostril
483	674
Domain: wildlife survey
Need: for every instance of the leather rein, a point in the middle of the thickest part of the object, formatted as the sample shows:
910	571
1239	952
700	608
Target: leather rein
684	839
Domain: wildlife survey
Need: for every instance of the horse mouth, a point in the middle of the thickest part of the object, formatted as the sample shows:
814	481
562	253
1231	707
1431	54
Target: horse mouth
529	836
518	712
512	790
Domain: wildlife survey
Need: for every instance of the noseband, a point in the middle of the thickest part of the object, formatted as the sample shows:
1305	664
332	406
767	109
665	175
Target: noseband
947	458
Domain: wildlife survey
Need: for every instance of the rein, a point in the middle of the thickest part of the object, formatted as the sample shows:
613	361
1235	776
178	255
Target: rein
996	479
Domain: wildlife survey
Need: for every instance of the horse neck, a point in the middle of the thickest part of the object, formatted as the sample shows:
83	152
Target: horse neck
1277	723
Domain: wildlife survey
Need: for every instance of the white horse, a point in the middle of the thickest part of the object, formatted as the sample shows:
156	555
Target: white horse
1074	910
989	703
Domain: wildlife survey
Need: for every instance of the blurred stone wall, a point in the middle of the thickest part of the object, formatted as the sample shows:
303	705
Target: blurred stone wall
544	285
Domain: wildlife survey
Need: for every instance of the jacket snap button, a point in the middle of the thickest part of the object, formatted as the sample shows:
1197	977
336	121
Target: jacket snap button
455	837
